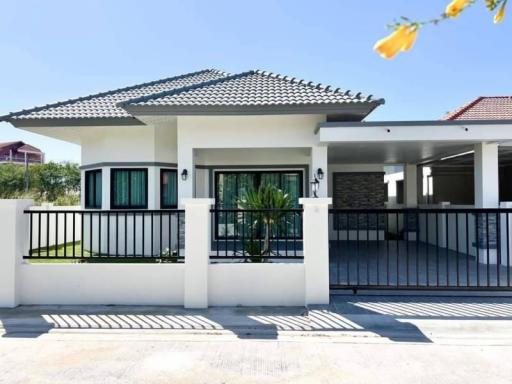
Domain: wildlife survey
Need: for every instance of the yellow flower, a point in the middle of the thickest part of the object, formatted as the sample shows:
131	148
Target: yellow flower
402	39
410	39
455	7
498	18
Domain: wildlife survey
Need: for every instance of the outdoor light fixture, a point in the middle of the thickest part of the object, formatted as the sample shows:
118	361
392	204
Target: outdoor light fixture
184	175
320	173
315	184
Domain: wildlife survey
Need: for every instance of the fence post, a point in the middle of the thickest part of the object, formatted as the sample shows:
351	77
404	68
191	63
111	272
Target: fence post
316	249
197	249
14	238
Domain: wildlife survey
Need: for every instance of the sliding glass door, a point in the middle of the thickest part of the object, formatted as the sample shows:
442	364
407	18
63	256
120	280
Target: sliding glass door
230	186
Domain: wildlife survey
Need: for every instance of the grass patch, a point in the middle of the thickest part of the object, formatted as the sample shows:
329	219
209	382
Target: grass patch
89	257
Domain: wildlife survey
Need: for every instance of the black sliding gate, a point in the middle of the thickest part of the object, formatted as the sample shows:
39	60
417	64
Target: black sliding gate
444	249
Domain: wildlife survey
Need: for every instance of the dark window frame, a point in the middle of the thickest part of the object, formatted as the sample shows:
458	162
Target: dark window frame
112	191
162	171
259	172
86	200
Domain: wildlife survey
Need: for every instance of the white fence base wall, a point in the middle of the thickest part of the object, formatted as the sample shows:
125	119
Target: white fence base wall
193	284
251	284
81	284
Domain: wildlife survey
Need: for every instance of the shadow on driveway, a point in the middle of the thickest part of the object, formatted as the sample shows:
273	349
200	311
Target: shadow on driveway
385	316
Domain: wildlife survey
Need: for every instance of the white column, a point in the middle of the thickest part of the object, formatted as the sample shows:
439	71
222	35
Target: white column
14	239
153	183
318	160
185	161
411	185
486	176
316	249
197	249
105	188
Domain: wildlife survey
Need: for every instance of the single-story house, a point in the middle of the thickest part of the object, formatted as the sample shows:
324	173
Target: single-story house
17	152
210	134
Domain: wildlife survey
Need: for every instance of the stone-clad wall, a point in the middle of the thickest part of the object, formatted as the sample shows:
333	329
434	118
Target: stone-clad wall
359	190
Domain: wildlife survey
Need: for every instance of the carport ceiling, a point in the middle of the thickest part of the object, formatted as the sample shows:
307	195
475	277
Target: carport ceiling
504	158
393	153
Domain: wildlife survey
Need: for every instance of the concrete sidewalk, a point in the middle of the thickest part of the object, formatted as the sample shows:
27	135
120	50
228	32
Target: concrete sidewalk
356	339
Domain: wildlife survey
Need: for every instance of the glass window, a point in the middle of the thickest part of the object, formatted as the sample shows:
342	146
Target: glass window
231	185
129	188
168	188
93	189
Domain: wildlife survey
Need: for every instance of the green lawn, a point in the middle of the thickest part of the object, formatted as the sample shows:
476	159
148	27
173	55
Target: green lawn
58	251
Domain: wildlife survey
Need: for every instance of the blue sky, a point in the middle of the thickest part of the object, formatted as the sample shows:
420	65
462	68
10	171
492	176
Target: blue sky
56	50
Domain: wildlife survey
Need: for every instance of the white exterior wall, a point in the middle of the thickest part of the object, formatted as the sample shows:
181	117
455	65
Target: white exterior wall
232	140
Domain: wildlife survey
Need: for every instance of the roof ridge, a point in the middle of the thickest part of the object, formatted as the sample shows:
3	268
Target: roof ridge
187	88
454	114
314	85
106	93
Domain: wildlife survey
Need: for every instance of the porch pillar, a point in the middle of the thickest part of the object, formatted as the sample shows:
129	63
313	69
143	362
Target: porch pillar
411	185
185	162
487	196
486	175
197	251
316	249
318	161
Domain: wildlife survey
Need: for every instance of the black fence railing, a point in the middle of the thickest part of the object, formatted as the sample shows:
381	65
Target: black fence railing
95	236
256	234
420	248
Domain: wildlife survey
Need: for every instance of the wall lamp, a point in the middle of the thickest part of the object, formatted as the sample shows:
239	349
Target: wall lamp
184	175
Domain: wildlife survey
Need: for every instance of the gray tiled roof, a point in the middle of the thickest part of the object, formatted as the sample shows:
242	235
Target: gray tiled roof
104	105
252	88
205	91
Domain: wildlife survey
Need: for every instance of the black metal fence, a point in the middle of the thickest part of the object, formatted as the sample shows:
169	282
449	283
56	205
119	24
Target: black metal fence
94	235
420	248
256	234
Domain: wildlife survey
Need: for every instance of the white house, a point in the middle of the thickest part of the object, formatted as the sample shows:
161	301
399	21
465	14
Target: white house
209	134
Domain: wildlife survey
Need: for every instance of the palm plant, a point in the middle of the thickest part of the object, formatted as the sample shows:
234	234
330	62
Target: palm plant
270	204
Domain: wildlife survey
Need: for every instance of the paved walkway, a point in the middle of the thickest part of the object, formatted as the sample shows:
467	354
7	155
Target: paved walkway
356	339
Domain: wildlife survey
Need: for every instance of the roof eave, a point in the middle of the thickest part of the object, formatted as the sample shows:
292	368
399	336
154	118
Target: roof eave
77	122
355	108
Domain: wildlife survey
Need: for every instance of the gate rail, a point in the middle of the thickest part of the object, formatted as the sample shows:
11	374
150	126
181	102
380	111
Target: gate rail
411	248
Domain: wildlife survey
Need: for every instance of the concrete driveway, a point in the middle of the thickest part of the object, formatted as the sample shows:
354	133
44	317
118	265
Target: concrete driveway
357	339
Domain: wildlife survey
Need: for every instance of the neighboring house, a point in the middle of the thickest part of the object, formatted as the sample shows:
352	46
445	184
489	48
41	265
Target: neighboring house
210	134
18	152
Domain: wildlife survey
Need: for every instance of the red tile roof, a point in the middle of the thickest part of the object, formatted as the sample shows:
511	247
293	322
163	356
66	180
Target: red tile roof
483	108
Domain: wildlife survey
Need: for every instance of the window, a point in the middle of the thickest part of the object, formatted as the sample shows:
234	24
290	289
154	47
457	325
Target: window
93	189
168	188
129	188
229	186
